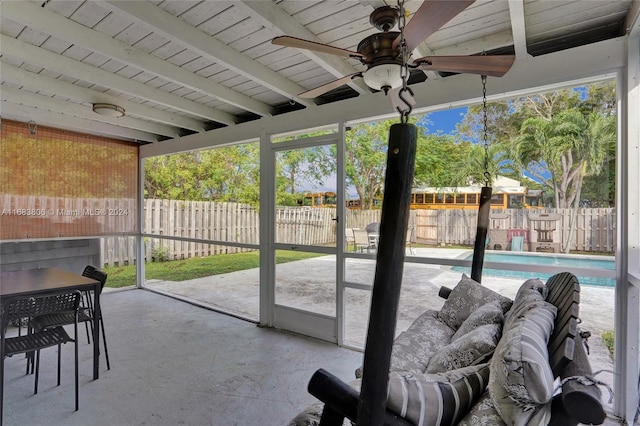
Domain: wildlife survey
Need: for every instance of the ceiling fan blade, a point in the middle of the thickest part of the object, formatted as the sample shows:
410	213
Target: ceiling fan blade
429	18
312	45
492	65
320	90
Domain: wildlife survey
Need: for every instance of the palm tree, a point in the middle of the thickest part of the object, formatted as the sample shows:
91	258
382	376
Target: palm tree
472	170
568	147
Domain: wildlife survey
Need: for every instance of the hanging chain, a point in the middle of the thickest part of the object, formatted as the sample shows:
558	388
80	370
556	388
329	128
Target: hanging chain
404	67
485	137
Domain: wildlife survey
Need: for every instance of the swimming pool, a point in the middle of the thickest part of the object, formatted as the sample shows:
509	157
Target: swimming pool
565	261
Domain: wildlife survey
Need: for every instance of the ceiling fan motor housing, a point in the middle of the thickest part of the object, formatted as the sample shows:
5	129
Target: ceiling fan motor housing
383	61
378	48
384	18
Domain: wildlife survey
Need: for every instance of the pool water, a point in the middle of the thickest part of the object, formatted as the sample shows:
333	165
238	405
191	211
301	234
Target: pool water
563	261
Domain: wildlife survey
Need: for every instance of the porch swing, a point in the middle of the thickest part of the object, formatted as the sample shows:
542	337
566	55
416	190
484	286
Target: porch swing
371	406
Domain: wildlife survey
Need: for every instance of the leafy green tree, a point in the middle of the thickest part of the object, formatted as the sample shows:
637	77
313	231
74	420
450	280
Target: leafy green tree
302	169
600	190
570	146
291	167
365	160
471	170
503	123
506	119
219	174
297	168
231	173
438	160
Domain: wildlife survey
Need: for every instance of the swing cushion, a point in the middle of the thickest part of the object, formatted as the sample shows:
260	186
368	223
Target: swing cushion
470	349
483	413
414	347
491	313
473	343
436	399
522	383
467	297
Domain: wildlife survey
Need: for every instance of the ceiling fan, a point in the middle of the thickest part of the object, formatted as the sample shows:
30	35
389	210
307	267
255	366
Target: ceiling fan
381	52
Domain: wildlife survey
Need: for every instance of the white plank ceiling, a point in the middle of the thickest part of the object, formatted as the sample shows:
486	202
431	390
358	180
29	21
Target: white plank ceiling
185	67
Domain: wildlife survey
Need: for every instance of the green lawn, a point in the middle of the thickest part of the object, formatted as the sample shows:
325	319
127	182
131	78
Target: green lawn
180	270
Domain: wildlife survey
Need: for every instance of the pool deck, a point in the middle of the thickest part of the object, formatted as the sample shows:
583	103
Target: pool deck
303	284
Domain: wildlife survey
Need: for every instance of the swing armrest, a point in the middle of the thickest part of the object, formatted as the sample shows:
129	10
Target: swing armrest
341	400
444	292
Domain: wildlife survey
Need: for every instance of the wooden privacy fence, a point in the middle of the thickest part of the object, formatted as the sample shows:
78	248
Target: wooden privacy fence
239	223
595	229
201	220
305	226
226	222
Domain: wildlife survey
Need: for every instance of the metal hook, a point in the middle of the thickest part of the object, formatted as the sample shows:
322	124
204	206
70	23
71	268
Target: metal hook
405	112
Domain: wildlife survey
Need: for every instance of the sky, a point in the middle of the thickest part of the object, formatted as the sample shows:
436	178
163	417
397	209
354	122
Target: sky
445	121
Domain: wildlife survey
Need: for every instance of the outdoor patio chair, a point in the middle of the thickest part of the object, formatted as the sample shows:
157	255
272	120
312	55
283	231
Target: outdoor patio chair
349	238
361	240
85	315
32	342
408	242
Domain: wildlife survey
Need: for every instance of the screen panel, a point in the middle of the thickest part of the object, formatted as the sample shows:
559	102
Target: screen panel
59	184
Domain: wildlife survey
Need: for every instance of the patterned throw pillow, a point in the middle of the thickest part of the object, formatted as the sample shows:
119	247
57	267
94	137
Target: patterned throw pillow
436	399
413	348
521	383
483	413
466	297
470	349
490	313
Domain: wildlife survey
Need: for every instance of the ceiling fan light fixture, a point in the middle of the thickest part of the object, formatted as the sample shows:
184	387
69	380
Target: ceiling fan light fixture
108	110
383	77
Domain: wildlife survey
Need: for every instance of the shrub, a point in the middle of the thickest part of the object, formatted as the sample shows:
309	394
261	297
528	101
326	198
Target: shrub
608	340
160	253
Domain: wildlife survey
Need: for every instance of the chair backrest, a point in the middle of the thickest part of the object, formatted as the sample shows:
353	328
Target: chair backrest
361	237
93	273
30	306
409	234
348	235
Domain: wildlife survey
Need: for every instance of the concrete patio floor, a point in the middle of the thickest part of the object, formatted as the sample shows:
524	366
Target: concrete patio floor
309	284
173	363
303	284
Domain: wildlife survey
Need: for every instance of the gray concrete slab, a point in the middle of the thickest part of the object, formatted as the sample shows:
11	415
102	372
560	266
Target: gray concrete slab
308	284
175	364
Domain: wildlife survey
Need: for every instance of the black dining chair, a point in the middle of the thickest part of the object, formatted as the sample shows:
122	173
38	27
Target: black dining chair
86	313
31	343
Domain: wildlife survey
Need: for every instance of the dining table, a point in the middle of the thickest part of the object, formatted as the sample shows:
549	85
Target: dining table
31	282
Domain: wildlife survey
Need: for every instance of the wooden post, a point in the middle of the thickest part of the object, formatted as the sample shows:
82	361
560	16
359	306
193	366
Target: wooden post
481	234
388	277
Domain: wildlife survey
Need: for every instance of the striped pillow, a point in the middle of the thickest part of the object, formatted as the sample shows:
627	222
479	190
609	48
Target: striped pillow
436	399
521	383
